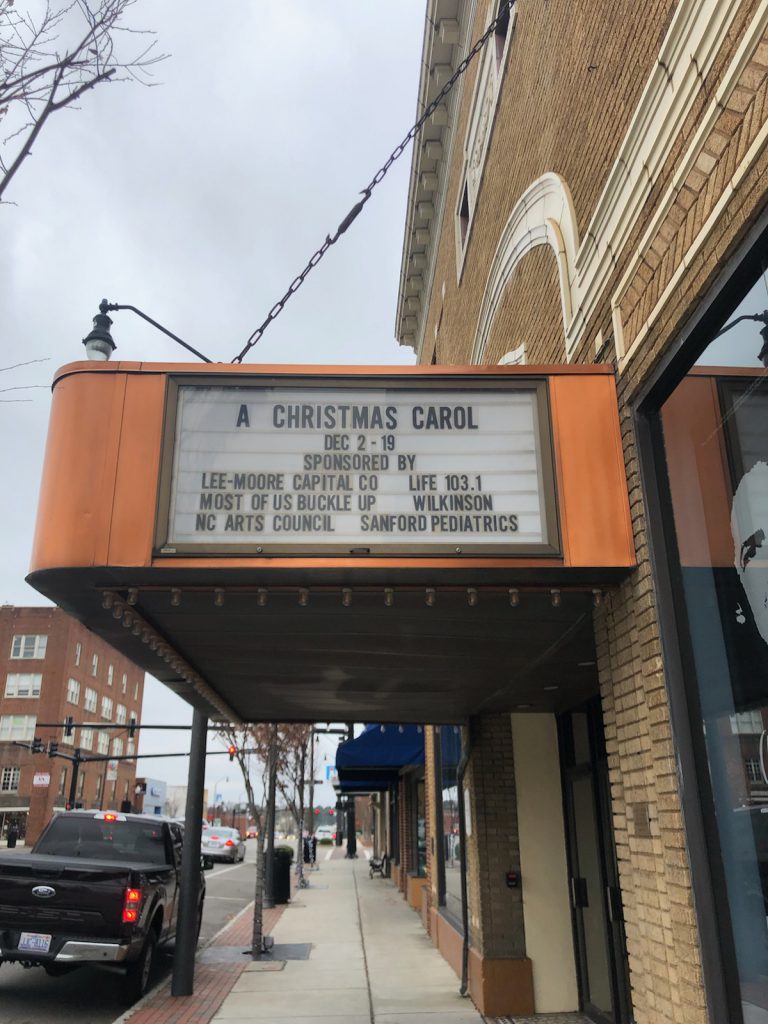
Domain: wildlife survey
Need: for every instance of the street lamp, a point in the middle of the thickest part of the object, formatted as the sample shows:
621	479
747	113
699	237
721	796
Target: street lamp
216	793
760	318
99	344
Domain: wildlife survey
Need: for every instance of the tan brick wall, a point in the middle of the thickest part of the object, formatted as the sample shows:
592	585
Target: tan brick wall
434	824
574	77
496	911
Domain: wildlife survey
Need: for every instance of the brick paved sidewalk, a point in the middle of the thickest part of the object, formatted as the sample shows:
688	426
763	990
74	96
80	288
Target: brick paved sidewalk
213	982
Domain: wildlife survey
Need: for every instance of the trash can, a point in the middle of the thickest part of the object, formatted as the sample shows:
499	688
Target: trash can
13	835
281	882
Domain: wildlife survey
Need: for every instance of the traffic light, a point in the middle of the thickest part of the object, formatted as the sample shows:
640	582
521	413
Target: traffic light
53	748
231	750
69	724
37	745
317	810
331	812
132	728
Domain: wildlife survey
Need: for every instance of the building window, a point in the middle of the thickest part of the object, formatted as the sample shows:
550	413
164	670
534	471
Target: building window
501	35
69	740
21	684
9	780
78	653
99	779
86	739
62	781
136	692
106	708
117	747
91	698
131	748
110	675
747	723
713	445
94	665
73	691
448	751
124	685
17	727
29	646
81	786
103	747
752	770
121	714
482	114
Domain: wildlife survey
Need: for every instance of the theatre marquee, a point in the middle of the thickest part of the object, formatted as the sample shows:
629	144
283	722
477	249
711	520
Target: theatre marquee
386	466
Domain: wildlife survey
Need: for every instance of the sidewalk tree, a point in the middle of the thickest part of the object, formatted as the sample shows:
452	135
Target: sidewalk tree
51	54
254	742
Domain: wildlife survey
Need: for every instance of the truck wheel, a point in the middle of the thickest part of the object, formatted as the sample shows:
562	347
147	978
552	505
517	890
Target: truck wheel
137	975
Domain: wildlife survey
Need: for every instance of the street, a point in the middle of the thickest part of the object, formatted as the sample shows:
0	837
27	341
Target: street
90	996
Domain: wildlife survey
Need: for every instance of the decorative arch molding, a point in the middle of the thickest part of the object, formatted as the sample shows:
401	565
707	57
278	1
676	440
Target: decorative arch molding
543	215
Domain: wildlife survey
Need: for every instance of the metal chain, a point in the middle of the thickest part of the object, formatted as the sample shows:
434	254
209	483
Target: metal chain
397	152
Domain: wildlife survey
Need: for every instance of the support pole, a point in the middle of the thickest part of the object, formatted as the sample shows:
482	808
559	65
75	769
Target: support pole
351	827
269	870
73	780
186	934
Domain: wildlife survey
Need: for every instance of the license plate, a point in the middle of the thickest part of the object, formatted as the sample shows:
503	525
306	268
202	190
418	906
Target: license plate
34	942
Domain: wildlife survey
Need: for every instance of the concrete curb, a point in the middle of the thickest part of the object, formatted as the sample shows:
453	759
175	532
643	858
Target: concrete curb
153	993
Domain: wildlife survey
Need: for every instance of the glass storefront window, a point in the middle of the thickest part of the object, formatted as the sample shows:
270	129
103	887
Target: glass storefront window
450	849
715	431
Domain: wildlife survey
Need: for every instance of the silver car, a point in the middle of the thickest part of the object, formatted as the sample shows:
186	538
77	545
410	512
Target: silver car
223	844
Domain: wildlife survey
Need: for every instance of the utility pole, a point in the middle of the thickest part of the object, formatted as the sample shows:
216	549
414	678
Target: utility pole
351	828
73	779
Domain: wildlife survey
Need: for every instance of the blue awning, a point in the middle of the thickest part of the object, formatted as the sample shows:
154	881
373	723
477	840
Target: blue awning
388	749
357	781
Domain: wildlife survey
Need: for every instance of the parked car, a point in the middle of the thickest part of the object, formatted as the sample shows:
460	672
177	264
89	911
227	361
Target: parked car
97	889
223	844
325	832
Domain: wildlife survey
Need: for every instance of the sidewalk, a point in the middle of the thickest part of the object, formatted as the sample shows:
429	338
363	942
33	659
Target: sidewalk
348	950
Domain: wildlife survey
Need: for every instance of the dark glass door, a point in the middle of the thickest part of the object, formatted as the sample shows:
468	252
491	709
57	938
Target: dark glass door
600	943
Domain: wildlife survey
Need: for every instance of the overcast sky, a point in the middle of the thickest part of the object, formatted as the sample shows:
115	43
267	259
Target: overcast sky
199	200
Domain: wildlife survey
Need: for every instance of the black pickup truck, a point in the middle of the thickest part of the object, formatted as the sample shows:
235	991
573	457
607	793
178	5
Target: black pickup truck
97	889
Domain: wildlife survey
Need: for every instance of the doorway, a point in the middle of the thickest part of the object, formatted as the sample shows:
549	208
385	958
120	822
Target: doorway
598	927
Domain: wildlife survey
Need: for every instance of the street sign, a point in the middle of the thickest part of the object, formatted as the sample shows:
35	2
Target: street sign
41	779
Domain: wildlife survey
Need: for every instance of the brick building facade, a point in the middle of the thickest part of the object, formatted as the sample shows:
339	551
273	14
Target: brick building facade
593	191
54	668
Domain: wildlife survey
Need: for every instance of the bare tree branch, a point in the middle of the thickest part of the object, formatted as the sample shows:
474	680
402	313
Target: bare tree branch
49	59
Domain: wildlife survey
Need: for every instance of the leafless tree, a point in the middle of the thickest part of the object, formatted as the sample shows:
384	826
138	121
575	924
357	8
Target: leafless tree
51	54
253	743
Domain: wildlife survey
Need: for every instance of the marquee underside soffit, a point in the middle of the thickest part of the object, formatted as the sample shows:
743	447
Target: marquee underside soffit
375	653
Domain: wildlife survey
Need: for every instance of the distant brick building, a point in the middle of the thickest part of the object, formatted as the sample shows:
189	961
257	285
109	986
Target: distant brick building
52	668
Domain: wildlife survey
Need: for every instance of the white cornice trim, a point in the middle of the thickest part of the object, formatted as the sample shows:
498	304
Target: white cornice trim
465	18
687	54
749	42
543	215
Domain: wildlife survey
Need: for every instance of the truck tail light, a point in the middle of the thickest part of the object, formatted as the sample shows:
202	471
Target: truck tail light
229	843
131	906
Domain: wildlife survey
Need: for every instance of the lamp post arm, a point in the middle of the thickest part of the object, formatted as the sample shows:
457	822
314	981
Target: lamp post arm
109	306
758	317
